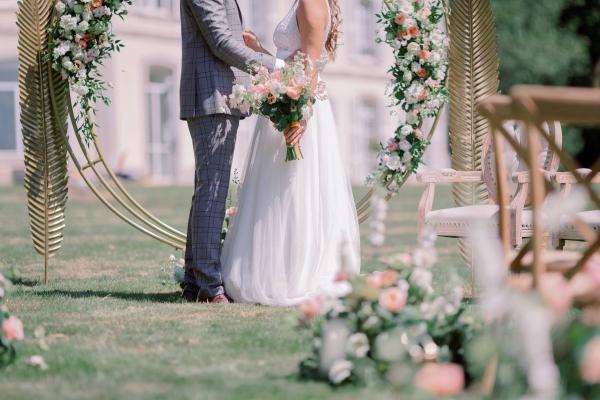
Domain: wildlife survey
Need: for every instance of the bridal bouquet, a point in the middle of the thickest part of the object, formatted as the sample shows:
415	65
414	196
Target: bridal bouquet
284	96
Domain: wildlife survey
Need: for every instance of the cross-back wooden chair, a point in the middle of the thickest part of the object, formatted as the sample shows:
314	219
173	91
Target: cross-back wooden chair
456	222
533	105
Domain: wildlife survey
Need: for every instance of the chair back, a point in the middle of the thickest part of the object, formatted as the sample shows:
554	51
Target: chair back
548	160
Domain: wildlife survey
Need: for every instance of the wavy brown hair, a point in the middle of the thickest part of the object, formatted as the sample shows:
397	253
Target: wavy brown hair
331	43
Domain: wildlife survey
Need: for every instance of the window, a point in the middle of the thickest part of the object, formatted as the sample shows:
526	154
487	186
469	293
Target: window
364	136
161	119
160	8
365	27
10	135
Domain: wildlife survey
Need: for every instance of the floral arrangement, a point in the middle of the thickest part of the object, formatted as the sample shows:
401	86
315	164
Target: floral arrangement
544	343
81	39
388	324
12	329
418	86
285	96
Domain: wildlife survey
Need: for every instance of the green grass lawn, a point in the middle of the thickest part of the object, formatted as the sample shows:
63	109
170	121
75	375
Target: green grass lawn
115	330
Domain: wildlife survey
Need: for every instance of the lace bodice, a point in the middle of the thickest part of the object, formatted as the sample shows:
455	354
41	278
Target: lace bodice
287	35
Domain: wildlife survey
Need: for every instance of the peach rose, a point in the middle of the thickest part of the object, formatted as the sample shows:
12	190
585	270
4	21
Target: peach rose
96	4
294	92
12	328
413	31
555	291
311	308
590	365
423	95
400	19
441	379
389	277
230	212
392	146
261	89
424	54
393	299
402	34
419	134
422	73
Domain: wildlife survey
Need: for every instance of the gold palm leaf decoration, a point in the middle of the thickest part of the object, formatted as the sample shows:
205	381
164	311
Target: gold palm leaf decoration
473	76
44	143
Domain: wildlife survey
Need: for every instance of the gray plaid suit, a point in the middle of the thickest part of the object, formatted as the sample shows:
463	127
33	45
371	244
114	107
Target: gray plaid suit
213	57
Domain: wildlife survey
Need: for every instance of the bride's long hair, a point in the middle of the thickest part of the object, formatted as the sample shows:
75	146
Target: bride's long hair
331	43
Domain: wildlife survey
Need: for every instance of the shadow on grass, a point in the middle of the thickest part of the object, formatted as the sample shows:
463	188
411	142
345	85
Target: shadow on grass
17	280
173	297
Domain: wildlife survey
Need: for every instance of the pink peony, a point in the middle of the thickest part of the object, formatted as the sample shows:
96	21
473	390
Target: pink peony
400	19
12	328
311	308
424	54
555	291
230	212
441	379
590	365
294	92
393	299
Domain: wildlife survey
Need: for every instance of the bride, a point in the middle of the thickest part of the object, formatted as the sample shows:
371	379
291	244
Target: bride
295	219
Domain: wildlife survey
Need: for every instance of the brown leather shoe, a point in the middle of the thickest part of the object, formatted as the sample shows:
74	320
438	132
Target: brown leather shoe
219	299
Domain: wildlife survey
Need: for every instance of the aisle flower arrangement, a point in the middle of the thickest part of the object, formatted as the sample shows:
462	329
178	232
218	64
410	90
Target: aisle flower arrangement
12	329
412	28
392	326
81	39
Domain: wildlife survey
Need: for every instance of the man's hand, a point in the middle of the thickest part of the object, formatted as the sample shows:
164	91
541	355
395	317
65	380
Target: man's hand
293	136
251	40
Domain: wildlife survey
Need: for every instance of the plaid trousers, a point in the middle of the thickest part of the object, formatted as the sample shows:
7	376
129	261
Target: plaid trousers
213	137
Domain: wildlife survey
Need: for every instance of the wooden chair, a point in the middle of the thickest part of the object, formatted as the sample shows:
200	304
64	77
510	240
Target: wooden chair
533	105
456	222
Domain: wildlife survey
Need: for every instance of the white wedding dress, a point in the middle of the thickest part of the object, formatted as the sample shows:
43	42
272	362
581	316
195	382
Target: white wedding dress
295	218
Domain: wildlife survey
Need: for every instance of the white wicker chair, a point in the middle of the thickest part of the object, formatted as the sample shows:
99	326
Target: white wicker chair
456	222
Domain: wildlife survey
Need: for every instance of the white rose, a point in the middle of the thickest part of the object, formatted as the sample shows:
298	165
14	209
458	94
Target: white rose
407	77
412	117
82	27
62	49
80	89
406	7
67	64
415	67
306	113
421	278
68	23
406	157
340	371
404	145
406	130
413	48
60	7
358	345
86	16
392	161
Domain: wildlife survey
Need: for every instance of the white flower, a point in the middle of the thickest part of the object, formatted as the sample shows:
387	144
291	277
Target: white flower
404	145
80	89
406	7
392	161
334	338
37	361
412	117
406	157
413	48
421	278
98	12
415	67
60	7
67	64
406	130
86	16
306	113
82	27
68	22
62	49
389	346
358	345
377	239
340	371
407	76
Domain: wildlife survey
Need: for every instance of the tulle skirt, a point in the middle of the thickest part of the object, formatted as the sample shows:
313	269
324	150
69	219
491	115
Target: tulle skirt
296	226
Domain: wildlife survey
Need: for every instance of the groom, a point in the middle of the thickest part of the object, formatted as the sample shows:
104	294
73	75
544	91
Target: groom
213	57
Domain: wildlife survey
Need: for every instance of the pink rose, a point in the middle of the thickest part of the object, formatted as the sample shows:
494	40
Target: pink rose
413	31
12	328
389	277
590	365
423	95
418	133
375	280
424	54
260	89
555	291
441	379
230	212
294	92
392	146
311	308
393	299
425	11
400	19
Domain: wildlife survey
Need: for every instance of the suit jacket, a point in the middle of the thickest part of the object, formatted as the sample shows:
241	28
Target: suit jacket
213	56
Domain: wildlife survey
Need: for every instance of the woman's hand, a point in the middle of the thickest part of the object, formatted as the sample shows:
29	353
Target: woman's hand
293	136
